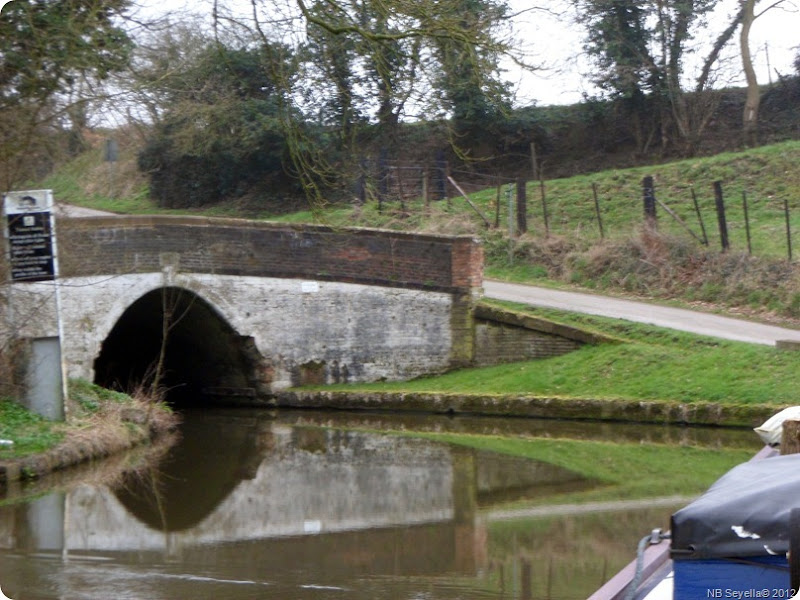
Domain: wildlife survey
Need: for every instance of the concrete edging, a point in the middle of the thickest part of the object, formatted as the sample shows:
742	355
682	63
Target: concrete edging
705	413
489	312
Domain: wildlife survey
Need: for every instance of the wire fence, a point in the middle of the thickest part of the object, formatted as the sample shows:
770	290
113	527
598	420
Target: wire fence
727	216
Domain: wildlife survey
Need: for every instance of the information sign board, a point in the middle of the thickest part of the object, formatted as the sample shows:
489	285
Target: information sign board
30	235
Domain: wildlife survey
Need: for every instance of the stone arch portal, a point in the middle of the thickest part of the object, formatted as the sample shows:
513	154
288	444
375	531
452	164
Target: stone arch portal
204	359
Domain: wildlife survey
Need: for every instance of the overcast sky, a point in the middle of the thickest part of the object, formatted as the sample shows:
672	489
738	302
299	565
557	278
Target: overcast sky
549	38
556	41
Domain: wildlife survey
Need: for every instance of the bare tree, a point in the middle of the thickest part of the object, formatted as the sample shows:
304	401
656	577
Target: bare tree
753	97
51	55
753	94
384	58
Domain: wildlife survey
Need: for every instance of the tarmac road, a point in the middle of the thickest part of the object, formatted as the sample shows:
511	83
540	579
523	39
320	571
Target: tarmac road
69	211
641	312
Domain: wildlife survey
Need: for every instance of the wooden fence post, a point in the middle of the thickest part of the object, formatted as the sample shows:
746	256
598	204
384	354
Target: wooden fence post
498	201
522	207
699	217
747	222
788	227
597	211
544	206
425	193
723	223
470	202
678	220
534	163
649	198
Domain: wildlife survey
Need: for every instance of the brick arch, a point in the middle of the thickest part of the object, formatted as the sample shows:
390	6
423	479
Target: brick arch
310	304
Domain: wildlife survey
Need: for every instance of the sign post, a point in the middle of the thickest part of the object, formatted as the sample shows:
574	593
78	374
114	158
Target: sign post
31	244
32	258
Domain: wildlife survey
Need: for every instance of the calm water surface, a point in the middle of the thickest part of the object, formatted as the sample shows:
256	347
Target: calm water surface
255	505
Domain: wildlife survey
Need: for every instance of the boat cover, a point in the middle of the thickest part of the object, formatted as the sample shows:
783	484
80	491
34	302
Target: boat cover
745	513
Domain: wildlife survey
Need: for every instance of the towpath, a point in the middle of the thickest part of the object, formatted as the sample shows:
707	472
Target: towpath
641	312
69	211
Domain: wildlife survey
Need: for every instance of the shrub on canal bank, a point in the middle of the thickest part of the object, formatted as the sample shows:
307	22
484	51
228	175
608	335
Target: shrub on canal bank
99	423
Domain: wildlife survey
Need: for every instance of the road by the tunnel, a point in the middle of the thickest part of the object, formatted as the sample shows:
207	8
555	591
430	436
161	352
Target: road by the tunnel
641	312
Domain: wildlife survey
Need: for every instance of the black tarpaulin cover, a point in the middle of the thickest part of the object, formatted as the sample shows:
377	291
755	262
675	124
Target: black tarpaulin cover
745	513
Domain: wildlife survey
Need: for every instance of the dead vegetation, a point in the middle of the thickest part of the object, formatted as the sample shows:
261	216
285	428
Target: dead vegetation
99	423
656	265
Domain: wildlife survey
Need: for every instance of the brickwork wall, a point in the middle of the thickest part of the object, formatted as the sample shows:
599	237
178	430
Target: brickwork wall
94	246
503	336
500	343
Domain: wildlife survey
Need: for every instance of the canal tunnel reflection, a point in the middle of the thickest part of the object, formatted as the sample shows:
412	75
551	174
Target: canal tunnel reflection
255	478
212	458
203	356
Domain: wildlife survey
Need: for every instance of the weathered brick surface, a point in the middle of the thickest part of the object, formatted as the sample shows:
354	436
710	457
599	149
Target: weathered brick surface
123	245
500	343
503	336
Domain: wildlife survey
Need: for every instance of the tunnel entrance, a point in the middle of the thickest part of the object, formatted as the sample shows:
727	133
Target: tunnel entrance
203	360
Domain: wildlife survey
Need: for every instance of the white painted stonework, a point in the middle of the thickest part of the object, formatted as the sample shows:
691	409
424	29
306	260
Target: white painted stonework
374	332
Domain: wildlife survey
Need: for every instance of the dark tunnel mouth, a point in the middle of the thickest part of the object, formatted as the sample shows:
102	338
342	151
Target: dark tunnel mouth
203	354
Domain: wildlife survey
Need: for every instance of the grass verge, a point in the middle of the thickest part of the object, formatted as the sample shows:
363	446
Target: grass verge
28	432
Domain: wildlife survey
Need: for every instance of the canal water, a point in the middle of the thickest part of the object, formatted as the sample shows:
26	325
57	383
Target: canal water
310	505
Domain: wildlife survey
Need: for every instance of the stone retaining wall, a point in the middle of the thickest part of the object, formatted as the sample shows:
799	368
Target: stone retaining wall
698	413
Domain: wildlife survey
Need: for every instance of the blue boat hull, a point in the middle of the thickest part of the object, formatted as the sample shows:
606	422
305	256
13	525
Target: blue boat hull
742	578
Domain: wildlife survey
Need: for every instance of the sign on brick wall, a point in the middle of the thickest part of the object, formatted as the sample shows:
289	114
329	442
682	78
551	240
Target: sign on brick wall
29	232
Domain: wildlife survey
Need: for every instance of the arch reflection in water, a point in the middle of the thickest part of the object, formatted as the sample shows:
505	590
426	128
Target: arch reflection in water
256	479
244	501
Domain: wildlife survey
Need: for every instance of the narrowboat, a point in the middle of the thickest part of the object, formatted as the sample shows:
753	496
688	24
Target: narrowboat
739	540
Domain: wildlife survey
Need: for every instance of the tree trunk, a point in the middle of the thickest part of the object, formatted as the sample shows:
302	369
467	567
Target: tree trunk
713	56
753	98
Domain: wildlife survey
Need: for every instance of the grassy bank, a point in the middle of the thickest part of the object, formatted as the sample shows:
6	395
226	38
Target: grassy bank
99	422
564	245
652	364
